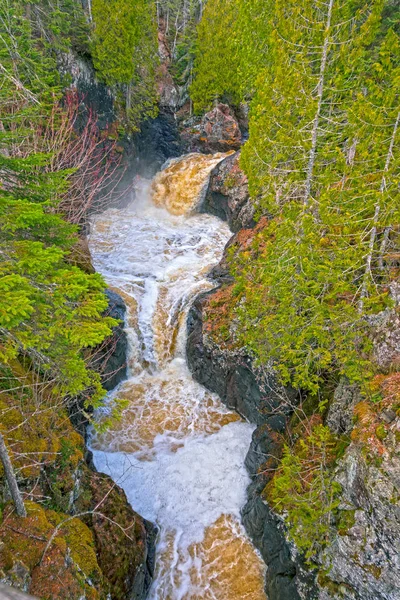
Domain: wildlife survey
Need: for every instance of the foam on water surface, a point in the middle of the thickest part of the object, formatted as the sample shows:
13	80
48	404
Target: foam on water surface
177	451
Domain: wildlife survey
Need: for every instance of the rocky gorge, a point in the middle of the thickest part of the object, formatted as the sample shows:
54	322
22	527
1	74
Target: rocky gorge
210	474
360	560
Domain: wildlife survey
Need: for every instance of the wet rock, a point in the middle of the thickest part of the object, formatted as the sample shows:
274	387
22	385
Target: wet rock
268	535
217	131
157	141
113	354
228	195
125	542
255	395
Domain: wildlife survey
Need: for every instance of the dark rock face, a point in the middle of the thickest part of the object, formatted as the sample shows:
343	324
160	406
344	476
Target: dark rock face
257	397
157	141
228	195
96	96
253	394
112	354
267	534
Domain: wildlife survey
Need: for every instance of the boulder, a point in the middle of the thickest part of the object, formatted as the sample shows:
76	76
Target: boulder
217	131
228	195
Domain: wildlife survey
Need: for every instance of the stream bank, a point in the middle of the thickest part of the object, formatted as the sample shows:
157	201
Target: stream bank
361	560
253	392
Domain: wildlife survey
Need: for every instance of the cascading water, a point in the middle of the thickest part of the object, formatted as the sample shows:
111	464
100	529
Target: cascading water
177	451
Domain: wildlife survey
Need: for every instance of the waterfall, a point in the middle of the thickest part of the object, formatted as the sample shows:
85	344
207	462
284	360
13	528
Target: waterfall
176	451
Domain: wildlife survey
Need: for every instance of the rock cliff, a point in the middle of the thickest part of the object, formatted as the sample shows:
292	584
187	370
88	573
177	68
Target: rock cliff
361	559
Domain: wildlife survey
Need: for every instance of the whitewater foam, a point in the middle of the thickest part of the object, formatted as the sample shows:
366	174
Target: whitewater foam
177	451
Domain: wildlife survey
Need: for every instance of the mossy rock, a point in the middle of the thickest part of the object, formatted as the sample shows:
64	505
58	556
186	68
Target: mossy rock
345	521
66	570
119	533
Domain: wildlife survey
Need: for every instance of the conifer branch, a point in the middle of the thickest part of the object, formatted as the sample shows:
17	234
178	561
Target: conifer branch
378	208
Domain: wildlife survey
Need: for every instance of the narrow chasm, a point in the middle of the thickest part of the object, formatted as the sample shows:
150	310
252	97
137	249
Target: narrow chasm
176	450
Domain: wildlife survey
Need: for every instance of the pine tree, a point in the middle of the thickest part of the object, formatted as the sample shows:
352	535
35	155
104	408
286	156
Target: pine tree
124	52
321	163
232	51
49	310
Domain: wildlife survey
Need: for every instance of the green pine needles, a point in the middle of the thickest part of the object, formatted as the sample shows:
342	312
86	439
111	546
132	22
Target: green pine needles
50	311
124	49
322	162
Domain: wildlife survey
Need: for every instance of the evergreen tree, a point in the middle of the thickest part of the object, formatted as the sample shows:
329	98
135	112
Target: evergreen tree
124	51
49	310
321	162
232	51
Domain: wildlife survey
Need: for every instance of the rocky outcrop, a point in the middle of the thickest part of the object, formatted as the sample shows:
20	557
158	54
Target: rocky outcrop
157	141
96	96
254	394
362	561
124	541
340	414
228	195
110	358
386	332
167	90
217	131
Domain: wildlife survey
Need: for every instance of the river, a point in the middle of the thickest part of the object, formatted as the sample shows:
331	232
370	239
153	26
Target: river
176	450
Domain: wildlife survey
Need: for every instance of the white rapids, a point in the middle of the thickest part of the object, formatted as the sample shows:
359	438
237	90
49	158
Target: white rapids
177	451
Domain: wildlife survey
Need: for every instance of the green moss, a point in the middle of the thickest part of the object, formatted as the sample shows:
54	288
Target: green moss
345	521
230	182
381	432
25	541
81	542
331	586
374	570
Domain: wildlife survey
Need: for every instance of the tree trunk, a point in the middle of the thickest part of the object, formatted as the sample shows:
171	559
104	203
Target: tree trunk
378	208
11	479
320	92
